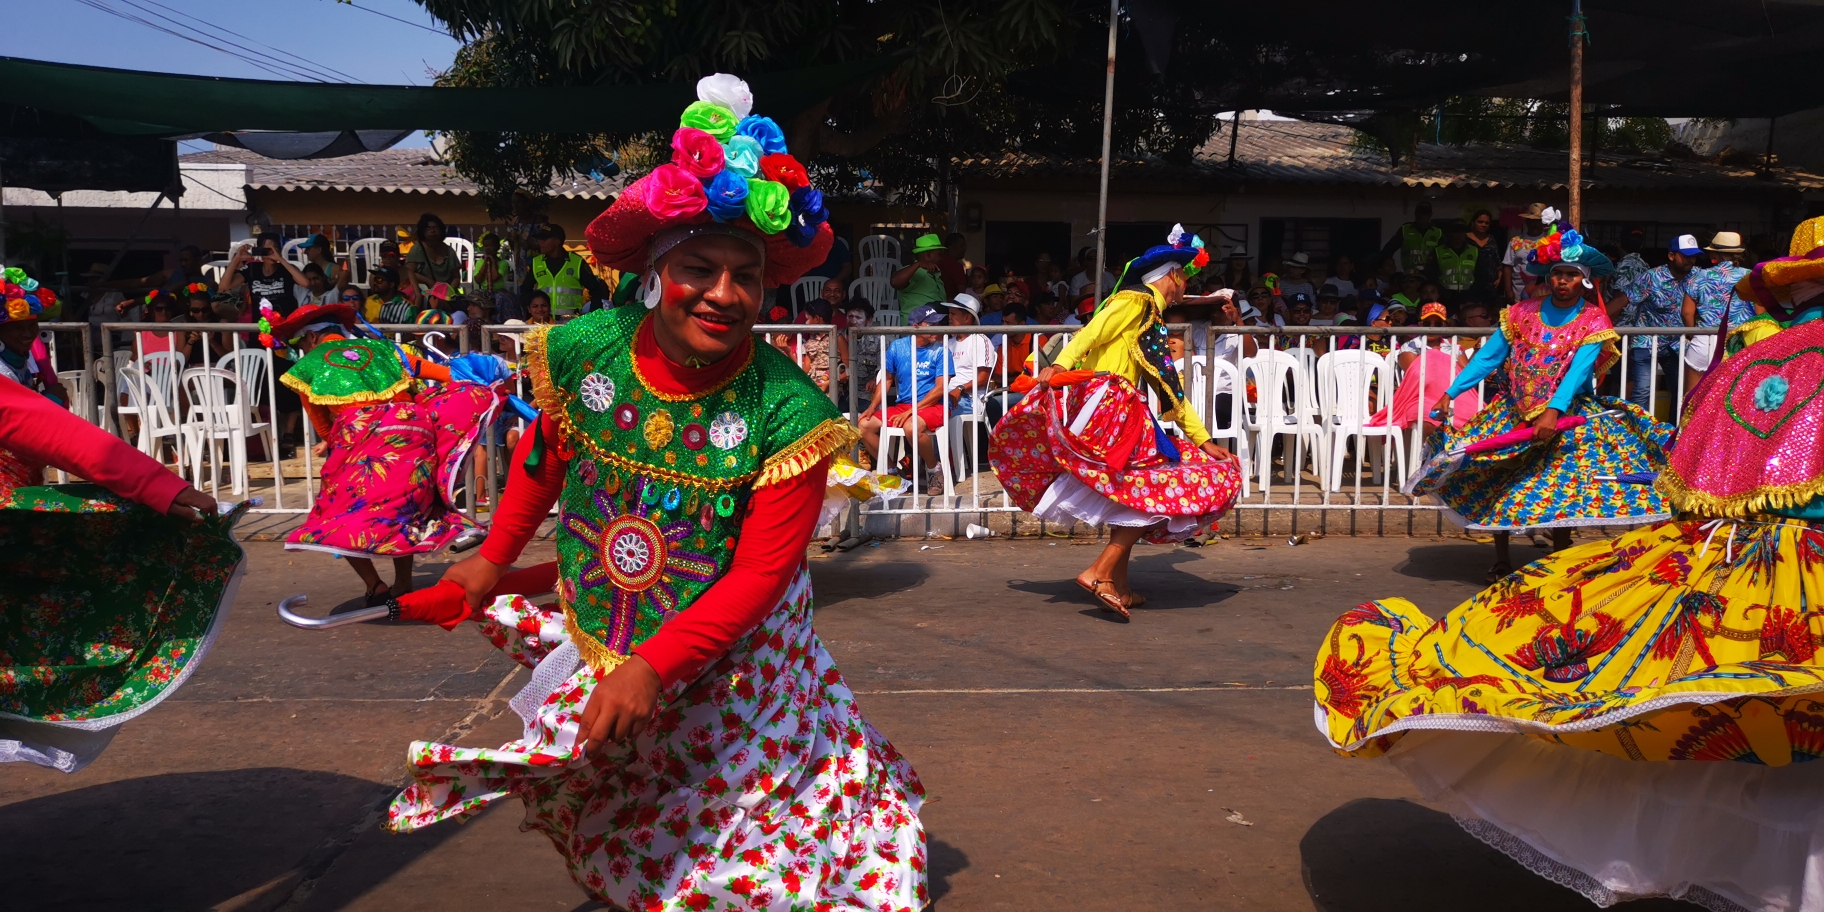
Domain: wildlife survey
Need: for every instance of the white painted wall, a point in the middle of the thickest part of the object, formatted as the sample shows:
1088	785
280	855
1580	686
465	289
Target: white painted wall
207	186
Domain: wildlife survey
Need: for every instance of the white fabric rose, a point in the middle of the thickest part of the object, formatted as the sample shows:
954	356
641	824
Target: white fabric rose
728	91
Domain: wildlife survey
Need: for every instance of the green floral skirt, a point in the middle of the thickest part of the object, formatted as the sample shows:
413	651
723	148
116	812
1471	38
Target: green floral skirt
105	608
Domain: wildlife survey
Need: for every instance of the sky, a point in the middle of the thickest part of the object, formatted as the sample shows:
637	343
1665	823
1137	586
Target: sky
337	42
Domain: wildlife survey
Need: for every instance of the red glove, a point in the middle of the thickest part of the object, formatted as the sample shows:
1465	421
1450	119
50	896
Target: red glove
446	606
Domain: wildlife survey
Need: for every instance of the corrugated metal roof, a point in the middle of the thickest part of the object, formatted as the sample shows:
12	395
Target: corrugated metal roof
388	171
1297	152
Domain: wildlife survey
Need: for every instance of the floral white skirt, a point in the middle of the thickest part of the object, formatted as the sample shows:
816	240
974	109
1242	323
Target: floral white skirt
758	786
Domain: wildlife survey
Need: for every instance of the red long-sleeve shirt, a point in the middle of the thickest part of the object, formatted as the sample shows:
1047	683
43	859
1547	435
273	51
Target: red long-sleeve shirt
769	548
41	431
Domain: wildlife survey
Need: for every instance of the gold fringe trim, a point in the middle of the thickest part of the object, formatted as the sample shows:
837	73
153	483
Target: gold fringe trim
543	393
560	412
1739	506
593	650
806	452
302	387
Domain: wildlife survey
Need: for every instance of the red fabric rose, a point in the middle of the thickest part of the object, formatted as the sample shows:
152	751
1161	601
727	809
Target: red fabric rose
785	169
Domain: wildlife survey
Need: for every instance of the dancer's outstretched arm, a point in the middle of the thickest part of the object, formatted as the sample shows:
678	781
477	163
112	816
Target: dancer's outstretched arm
37	429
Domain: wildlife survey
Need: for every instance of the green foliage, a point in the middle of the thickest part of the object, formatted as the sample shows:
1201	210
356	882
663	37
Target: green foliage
955	56
1541	124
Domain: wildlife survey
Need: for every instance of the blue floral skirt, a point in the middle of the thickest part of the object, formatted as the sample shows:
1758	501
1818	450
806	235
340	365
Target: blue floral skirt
1556	484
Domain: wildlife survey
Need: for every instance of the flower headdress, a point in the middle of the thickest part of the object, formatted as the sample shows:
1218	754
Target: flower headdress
25	298
1181	248
1565	246
276	330
729	173
196	288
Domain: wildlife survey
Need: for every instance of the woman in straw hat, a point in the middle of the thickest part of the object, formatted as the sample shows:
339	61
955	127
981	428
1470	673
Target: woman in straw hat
1635	717
689	743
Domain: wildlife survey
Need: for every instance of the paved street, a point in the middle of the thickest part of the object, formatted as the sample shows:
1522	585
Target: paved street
1072	762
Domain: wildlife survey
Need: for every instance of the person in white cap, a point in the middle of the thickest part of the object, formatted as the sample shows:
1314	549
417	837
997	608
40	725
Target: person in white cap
1657	299
1710	295
972	357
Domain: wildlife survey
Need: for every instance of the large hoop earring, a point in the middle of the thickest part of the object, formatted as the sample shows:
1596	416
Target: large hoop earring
650	294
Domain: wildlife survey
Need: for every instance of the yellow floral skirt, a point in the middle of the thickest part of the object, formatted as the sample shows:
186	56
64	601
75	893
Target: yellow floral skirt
1684	640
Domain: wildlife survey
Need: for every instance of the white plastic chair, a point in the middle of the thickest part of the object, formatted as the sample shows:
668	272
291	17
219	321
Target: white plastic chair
806	290
162	370
82	399
216	270
892	438
293	252
1285	407
1344	379
363	255
886	318
156	420
250	365
221	412
876	246
1237	431
466	251
878	267
879	292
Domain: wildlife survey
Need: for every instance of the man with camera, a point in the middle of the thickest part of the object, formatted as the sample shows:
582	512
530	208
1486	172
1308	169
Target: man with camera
266	275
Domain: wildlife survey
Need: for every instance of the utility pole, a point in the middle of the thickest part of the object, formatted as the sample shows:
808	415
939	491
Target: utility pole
1108	132
1576	182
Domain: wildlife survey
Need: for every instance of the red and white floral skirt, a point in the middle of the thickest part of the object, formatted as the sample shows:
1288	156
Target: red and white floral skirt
1094	452
758	786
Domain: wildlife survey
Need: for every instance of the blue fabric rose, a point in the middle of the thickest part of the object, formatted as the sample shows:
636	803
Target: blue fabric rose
807	214
763	131
1771	393
742	153
727	194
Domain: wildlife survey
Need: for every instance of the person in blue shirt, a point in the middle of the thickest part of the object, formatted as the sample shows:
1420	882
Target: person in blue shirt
911	368
1542	367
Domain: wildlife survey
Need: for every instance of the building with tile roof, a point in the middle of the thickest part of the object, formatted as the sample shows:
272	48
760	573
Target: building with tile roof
1296	186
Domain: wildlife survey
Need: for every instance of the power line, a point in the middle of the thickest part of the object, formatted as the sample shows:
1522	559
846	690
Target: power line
409	22
307	70
322	67
119	13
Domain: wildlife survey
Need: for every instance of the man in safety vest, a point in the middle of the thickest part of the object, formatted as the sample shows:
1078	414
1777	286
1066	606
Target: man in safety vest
1416	241
494	278
562	275
1457	265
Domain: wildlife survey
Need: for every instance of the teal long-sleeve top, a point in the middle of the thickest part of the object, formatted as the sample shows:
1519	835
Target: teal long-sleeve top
1495	349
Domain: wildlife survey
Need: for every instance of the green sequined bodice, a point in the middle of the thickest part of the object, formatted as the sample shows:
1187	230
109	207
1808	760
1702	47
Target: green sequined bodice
658	485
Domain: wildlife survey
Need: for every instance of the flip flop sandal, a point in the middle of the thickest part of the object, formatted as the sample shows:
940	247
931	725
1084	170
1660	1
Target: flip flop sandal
1497	572
1110	599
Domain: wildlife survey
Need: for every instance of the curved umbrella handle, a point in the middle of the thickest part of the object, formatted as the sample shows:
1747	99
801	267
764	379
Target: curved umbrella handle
324	623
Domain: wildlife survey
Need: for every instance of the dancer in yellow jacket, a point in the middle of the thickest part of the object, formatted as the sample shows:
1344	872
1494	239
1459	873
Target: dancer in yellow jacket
1112	463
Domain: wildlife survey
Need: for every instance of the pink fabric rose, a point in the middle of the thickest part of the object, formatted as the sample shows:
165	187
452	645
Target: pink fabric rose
696	152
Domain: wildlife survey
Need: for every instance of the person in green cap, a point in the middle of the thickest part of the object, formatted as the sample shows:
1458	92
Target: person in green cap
922	282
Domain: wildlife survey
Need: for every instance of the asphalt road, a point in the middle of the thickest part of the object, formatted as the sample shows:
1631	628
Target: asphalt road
1072	761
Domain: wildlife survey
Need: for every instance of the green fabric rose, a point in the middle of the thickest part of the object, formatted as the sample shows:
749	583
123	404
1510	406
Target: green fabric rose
713	119
769	205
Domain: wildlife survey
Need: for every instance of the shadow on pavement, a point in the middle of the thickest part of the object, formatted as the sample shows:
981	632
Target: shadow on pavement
240	838
1457	563
835	583
942	860
1382	855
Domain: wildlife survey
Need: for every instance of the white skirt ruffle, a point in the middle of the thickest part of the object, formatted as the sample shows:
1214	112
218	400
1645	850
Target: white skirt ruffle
1726	836
1069	499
